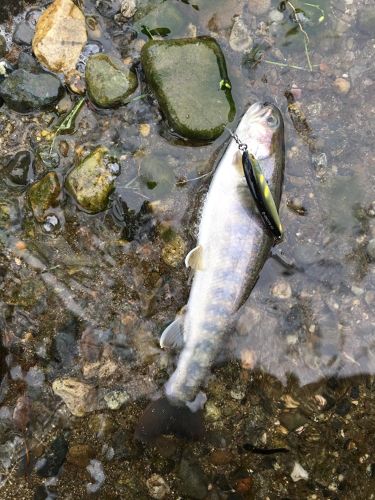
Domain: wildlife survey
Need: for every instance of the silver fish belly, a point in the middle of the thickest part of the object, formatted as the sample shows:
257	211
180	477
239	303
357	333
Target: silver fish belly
233	245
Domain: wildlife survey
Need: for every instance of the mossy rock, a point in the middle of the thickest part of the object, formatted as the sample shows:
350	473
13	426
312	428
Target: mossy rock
44	195
91	182
186	77
109	81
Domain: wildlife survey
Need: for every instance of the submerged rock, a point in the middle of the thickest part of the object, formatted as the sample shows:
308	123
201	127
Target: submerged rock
60	36
188	77
18	168
165	15
3	46
24	92
109	82
194	482
366	19
43	195
49	465
79	397
91	182
23	34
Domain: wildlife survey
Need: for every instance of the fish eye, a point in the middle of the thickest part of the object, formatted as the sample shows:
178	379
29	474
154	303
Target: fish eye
272	120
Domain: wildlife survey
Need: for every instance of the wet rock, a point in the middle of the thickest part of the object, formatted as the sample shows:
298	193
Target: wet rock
240	39
23	34
371	249
128	8
18	168
29	63
157	177
221	457
91	182
79	397
96	471
109	82
3	46
366	19
115	399
60	36
298	473
292	420
157	487
194	482
276	16
108	8
259	7
23	91
186	77
50	463
343	407
282	290
44	194
174	251
80	455
102	426
341	85
165	15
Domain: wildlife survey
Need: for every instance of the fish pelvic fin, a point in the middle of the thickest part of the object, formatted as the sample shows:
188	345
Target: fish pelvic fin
163	417
173	336
194	259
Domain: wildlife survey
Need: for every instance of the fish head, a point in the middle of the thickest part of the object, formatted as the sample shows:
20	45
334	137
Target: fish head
262	130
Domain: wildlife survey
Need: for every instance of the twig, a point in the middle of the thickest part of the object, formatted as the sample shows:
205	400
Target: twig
306	39
285	65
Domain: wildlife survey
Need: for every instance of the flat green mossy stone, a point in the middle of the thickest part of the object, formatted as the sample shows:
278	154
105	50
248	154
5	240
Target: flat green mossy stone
185	77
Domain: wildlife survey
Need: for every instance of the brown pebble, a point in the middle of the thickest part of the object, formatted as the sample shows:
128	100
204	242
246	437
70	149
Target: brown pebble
64	148
244	485
341	85
80	455
21	245
221	457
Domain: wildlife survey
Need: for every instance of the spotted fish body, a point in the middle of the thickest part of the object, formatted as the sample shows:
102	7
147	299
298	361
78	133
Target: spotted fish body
233	245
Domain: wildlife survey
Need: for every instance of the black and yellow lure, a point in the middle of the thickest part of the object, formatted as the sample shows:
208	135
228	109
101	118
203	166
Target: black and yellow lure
260	191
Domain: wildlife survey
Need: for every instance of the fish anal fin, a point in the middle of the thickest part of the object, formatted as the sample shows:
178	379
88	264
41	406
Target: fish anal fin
173	335
194	259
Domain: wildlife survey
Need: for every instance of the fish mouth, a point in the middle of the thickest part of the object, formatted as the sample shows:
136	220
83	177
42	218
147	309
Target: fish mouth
260	110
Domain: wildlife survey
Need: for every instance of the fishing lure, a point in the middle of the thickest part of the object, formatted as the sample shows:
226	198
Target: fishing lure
260	191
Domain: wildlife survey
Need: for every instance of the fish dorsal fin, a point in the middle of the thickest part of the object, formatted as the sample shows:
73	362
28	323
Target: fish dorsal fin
194	258
173	335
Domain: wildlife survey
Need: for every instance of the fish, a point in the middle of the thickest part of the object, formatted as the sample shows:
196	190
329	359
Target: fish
233	245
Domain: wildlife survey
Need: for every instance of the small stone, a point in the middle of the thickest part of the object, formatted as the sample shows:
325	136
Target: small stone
292	420
91	182
299	473
276	16
3	46
174	251
18	168
44	194
108	8
80	455
343	407
157	487
29	63
144	129
95	469
366	19
221	457
128	8
371	249
23	91
342	85
23	34
115	399
79	397
76	82
49	464
282	290
259	7
194	482
109	81
244	485
240	39
60	36
102	425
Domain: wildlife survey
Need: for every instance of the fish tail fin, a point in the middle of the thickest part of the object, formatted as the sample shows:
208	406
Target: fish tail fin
162	417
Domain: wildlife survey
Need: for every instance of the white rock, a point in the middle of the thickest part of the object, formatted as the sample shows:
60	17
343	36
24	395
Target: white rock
240	39
299	473
157	487
96	471
128	8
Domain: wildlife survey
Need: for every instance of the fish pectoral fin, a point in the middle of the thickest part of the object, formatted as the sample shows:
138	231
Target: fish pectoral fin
173	335
194	259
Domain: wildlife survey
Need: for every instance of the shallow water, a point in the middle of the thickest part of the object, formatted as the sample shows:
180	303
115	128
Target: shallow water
90	299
